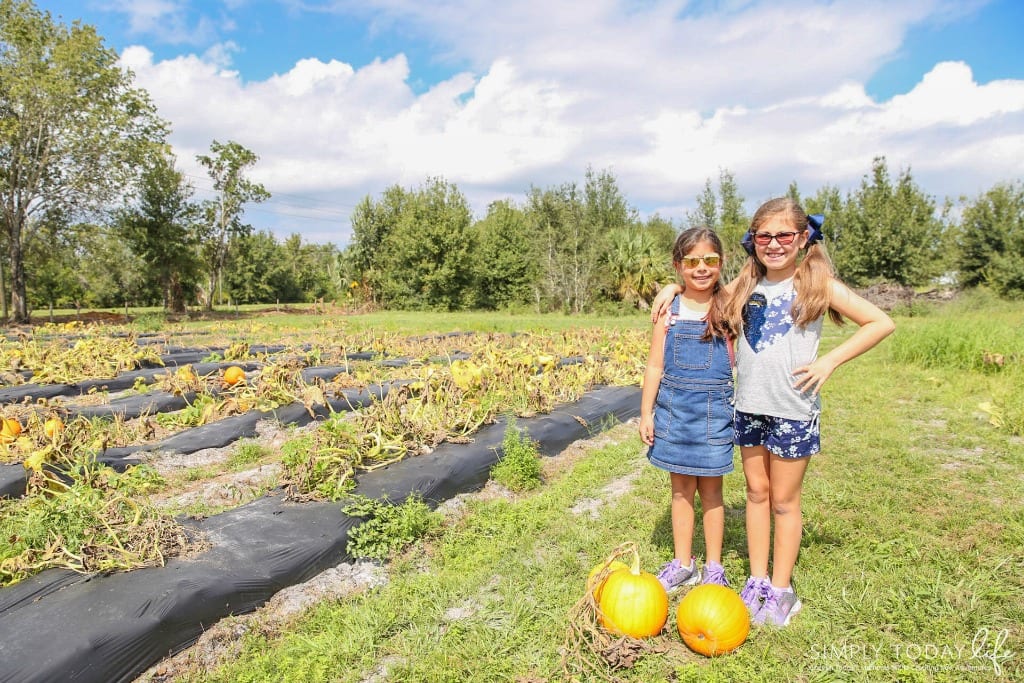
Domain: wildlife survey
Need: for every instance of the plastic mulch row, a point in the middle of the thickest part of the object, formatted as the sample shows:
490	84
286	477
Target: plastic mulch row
60	626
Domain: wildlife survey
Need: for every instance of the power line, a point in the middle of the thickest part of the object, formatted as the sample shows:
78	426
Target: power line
302	207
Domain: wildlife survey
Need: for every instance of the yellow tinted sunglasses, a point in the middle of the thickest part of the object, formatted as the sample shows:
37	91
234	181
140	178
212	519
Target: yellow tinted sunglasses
710	260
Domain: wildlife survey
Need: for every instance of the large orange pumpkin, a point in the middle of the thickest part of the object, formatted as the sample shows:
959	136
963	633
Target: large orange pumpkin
633	602
712	620
594	585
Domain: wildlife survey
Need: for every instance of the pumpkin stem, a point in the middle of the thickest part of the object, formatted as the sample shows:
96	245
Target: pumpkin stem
620	553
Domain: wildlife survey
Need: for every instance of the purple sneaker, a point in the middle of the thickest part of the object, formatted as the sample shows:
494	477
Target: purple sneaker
715	573
754	593
673	574
779	607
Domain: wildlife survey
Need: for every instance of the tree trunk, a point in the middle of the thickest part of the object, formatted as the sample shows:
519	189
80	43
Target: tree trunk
3	290
176	295
19	300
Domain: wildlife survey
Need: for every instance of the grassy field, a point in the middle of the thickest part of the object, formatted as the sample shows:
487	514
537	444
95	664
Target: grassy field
911	567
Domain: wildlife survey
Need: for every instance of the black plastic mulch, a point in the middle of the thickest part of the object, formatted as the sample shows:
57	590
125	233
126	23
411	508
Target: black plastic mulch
58	626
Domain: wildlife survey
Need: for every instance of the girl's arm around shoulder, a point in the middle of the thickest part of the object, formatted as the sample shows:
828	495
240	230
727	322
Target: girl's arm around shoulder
663	300
662	303
874	326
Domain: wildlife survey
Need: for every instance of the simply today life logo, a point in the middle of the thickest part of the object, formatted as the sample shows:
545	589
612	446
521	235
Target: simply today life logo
987	650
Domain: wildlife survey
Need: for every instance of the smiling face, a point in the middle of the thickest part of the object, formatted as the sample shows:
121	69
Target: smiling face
779	259
698	276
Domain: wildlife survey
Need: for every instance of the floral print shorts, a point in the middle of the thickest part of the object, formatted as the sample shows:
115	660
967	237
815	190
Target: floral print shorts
785	438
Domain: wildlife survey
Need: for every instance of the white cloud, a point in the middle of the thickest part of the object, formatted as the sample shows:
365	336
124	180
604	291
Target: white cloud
662	95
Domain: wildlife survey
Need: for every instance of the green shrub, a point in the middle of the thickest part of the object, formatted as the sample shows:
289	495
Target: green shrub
388	527
150	322
518	466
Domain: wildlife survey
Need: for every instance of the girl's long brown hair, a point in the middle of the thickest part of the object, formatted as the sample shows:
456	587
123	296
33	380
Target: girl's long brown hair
718	322
813	275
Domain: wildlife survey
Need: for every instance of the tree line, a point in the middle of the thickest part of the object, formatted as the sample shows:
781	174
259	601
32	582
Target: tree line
95	213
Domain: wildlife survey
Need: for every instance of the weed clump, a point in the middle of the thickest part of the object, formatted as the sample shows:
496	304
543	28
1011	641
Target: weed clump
518	468
388	527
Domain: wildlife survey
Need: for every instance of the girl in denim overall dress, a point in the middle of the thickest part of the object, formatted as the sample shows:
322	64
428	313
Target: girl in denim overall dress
686	414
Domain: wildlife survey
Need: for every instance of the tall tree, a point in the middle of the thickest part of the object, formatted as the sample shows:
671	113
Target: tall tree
161	228
255	270
424	258
574	229
109	273
71	130
50	254
226	165
372	221
991	241
506	264
892	232
706	213
734	223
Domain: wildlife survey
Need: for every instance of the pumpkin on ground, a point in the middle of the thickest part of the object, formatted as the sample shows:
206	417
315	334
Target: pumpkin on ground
233	375
10	430
712	620
52	427
633	602
592	583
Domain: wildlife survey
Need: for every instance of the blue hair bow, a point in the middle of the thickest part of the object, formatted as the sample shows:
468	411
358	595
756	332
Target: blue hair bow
814	223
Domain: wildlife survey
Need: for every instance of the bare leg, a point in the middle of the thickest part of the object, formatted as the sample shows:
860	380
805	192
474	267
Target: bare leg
787	477
683	488
710	489
758	514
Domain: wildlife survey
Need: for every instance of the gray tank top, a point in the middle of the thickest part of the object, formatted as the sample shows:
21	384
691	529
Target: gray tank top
770	347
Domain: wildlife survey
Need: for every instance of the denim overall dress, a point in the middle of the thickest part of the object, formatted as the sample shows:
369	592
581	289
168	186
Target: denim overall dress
693	414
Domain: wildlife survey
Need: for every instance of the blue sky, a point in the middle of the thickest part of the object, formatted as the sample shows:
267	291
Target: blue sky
342	98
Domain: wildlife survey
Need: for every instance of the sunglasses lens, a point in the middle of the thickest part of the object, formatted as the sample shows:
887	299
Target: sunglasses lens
712	260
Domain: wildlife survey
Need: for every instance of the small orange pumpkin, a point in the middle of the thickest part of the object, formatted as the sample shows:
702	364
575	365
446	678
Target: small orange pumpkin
712	620
52	427
633	602
10	430
233	375
592	583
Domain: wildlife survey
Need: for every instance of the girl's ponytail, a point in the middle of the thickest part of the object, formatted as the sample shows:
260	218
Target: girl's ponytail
813	283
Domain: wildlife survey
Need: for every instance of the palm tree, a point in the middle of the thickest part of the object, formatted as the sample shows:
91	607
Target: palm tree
637	271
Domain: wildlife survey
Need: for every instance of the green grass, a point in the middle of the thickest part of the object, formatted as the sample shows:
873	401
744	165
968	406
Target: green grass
911	567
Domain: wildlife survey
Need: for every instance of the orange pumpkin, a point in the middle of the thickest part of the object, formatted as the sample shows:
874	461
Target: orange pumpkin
592	583
712	620
233	375
633	602
52	427
10	430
